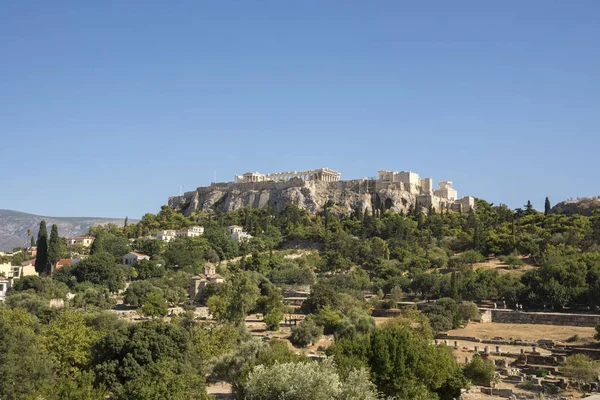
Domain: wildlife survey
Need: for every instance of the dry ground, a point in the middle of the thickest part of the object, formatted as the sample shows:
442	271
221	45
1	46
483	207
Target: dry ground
557	333
503	268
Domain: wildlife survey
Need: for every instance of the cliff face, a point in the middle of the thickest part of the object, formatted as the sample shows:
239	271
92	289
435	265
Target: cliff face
346	196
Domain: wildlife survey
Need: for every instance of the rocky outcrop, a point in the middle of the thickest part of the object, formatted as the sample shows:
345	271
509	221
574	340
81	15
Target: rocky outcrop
583	206
343	197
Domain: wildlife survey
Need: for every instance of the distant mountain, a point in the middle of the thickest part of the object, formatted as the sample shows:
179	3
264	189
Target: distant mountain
14	225
583	206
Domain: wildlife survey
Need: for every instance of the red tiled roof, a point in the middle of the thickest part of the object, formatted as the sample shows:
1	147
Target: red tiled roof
24	263
62	262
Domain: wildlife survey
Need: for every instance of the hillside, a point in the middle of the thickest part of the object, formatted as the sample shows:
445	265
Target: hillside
342	197
584	206
14	226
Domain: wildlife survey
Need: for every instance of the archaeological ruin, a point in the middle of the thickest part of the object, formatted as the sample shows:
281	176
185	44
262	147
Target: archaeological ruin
312	189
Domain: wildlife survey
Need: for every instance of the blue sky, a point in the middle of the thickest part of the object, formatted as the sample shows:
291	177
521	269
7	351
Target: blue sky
106	108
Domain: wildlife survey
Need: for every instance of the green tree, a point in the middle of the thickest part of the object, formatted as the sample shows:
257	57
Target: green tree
136	354
55	246
580	368
136	294
100	269
94	298
154	305
480	372
273	308
234	367
97	246
306	333
41	259
241	296
405	365
468	311
69	341
307	381
547	207
25	365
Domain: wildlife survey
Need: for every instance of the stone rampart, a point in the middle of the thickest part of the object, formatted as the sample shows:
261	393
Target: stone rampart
541	318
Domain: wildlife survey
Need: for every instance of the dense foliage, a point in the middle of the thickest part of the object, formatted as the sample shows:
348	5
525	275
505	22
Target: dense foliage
81	351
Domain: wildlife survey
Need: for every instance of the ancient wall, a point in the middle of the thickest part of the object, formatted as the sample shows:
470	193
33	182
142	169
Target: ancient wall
514	317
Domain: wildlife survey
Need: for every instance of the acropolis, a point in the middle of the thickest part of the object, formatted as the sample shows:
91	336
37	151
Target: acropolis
321	174
314	188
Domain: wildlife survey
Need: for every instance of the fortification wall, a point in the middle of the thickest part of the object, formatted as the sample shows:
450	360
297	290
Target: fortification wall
513	317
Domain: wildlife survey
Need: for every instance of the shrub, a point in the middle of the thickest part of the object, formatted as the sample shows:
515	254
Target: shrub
480	371
468	311
580	368
306	333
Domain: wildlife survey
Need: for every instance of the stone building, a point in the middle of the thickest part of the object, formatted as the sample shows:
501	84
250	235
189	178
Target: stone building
321	174
199	282
446	192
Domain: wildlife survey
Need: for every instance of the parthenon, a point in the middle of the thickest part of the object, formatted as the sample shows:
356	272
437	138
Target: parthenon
321	174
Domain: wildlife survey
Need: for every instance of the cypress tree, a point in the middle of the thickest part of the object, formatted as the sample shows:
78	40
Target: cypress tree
41	260
125	223
547	207
32	241
98	244
54	246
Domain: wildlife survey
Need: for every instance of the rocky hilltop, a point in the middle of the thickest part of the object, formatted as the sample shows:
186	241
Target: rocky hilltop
584	206
14	225
344	196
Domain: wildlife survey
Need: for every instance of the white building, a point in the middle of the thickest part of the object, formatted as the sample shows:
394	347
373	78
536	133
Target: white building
446	192
166	235
85	241
4	286
192	231
26	268
131	258
238	234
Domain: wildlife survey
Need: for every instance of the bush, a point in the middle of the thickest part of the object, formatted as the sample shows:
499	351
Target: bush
273	319
480	372
94	297
440	323
307	381
136	293
580	368
512	260
471	257
468	311
154	305
306	333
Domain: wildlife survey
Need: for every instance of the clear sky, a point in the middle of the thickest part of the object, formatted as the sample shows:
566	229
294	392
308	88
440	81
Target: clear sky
108	107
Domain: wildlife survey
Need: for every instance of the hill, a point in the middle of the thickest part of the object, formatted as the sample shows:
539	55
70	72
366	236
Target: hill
14	226
584	206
